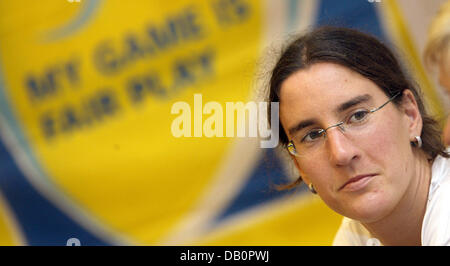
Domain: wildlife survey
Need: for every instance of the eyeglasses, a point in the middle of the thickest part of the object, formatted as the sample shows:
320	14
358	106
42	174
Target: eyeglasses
355	124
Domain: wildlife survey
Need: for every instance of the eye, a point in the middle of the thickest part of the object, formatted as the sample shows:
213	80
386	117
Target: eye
358	116
313	135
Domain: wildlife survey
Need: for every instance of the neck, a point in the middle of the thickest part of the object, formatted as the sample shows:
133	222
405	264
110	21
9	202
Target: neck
403	226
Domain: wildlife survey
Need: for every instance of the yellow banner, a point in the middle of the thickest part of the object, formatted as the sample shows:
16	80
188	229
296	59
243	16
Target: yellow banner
91	84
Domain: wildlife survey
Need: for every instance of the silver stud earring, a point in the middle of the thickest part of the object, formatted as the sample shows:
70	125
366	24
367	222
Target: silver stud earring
312	189
417	142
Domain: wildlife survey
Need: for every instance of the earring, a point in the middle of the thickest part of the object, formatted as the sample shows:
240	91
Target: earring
312	189
418	142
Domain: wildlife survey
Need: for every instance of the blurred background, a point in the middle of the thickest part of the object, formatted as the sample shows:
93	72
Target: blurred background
86	96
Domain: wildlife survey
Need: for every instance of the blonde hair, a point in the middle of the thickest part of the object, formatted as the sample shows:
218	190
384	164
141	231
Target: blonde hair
438	42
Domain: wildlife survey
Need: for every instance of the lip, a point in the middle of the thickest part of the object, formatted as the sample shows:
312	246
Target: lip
356	183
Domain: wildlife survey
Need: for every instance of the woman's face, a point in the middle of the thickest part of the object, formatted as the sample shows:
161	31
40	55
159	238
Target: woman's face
378	158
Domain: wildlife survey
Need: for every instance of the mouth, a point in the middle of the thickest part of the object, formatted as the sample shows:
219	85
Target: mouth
356	183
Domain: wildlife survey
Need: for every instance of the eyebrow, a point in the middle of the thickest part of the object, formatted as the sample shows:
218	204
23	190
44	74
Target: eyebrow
352	102
341	108
301	125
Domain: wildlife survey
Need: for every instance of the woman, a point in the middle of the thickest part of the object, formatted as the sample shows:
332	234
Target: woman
437	53
359	135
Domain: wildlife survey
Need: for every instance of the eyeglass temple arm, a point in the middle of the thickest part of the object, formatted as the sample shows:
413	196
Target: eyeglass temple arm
392	98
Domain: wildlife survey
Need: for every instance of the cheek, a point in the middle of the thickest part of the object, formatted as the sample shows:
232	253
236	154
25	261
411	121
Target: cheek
323	176
388	141
389	151
319	172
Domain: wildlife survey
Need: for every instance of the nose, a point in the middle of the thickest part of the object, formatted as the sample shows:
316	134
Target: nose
341	149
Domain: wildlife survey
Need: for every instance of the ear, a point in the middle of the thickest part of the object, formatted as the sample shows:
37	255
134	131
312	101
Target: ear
412	113
302	175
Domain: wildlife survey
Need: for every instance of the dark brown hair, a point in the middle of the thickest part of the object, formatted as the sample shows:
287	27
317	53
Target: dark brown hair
363	54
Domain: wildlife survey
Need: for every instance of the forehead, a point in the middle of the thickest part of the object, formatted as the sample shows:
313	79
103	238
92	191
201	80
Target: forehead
325	83
321	87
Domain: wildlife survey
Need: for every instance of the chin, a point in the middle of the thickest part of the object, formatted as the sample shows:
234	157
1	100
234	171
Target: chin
368	208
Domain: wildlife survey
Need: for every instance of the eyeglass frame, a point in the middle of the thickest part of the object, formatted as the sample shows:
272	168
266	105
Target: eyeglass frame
291	144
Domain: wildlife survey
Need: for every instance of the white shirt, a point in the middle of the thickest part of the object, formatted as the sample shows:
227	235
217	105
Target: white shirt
436	222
